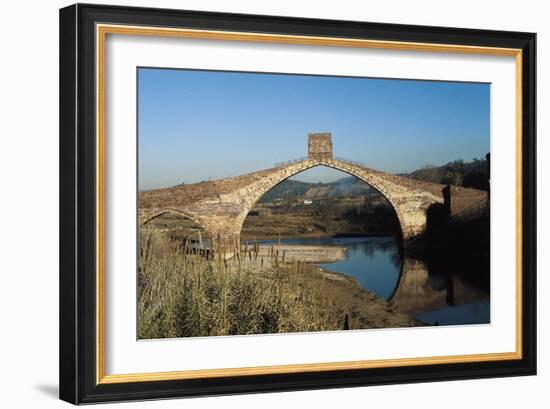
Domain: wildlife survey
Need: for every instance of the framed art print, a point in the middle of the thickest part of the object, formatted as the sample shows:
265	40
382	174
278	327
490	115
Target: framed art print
258	203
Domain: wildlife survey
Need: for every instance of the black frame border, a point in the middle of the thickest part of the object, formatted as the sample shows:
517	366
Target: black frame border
77	255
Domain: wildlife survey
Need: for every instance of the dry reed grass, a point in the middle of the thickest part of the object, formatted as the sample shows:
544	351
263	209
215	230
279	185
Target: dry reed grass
184	294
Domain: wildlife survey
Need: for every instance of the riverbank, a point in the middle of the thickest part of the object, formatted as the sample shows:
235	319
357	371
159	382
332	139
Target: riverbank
363	308
247	237
182	294
342	294
303	253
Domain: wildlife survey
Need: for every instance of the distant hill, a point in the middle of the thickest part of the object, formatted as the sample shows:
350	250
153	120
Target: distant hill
292	187
459	173
345	187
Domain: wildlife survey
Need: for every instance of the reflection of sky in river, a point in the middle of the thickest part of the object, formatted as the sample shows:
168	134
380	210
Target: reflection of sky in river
374	262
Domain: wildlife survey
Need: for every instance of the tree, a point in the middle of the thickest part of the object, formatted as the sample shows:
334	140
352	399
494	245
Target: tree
288	200
452	178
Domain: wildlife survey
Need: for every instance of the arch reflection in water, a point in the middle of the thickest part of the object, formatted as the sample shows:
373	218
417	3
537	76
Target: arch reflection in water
433	295
440	297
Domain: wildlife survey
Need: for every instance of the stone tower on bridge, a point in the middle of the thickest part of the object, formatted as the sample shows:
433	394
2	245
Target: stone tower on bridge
319	146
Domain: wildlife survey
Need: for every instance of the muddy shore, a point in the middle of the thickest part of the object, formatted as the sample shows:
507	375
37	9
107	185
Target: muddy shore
303	253
343	294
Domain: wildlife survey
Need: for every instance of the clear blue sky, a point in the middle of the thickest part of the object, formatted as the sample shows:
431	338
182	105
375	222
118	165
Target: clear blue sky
201	125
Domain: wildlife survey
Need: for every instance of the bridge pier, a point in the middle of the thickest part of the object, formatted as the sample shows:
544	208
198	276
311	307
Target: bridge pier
224	233
225	244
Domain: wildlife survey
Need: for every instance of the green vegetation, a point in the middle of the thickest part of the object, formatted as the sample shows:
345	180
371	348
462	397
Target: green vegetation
183	294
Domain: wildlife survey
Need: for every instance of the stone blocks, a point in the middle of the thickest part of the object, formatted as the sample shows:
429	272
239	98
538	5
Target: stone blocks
319	146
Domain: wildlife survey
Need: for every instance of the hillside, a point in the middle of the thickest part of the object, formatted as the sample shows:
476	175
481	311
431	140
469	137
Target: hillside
348	187
473	174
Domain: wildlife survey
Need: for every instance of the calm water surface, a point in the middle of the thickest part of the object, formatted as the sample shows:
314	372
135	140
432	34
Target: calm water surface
435	295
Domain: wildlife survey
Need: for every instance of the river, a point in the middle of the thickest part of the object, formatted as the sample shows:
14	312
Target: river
435	294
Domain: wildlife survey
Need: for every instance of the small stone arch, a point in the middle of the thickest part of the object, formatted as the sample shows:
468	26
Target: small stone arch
194	219
161	212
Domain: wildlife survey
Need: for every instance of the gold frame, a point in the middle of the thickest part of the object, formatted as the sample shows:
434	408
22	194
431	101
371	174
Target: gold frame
101	32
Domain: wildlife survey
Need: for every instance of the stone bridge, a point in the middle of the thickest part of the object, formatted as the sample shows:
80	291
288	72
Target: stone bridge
221	206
